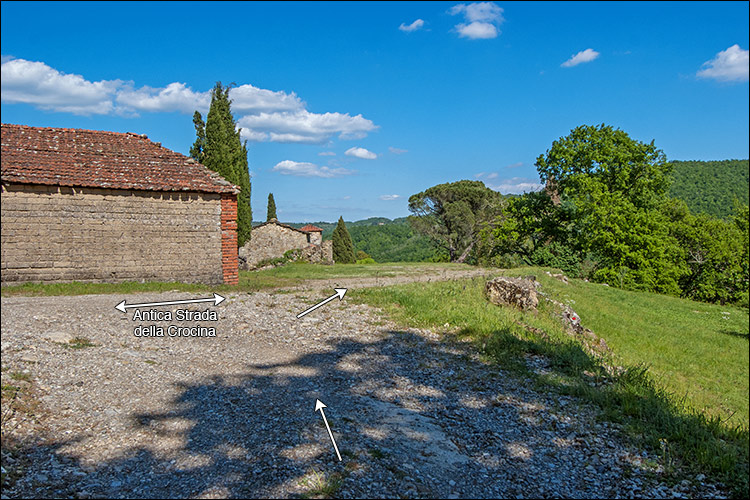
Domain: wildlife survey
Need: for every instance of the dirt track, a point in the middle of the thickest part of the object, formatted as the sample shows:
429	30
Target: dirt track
233	415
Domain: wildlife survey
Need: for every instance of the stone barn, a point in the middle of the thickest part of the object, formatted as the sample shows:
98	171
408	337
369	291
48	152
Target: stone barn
272	239
83	205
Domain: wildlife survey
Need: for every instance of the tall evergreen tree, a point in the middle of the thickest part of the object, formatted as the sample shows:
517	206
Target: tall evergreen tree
199	146
218	146
271	211
343	248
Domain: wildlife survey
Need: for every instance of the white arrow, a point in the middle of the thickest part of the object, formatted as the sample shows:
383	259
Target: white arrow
340	292
319	406
217	299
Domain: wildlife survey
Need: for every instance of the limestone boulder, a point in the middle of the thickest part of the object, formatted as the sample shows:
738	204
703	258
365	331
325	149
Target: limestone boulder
516	292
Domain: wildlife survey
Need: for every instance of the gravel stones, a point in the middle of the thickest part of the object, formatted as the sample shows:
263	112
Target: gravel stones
413	413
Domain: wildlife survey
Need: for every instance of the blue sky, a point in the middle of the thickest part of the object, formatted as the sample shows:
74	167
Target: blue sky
350	108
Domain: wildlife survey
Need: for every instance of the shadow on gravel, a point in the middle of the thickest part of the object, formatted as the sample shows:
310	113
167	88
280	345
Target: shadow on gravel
256	434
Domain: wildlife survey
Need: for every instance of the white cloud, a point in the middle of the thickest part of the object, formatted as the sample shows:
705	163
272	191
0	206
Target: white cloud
174	97
731	65
36	83
583	56
263	115
247	99
361	153
486	176
326	153
482	20
412	27
304	169
389	197
515	165
397	151
516	185
303	127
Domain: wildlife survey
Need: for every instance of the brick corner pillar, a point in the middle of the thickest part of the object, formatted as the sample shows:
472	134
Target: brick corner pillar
229	262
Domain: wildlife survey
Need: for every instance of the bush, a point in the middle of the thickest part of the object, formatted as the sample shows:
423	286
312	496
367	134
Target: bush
368	260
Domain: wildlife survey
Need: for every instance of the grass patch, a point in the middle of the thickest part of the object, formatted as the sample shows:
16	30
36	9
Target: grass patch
655	414
249	281
321	486
79	343
26	377
695	350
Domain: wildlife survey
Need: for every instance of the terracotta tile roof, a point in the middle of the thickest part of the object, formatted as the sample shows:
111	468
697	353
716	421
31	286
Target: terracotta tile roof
310	228
91	158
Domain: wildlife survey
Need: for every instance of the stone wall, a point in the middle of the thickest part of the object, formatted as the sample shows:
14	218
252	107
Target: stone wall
272	240
54	233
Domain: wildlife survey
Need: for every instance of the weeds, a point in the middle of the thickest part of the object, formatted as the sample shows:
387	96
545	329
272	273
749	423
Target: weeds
321	486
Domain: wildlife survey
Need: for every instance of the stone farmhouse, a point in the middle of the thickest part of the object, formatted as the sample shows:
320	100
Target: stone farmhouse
272	239
92	206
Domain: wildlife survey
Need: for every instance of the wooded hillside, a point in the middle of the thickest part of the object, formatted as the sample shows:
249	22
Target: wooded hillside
711	186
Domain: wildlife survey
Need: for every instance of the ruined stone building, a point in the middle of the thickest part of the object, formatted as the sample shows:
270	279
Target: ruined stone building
83	205
272	239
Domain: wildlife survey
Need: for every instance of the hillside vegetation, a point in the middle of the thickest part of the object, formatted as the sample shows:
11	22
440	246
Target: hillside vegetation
711	186
386	240
684	389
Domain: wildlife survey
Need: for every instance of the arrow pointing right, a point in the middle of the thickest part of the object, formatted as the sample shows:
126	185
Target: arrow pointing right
340	292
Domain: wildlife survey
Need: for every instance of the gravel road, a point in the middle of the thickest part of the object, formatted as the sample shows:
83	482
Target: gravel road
413	414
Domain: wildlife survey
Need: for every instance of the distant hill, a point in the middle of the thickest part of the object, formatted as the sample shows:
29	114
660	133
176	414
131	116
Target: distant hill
711	186
385	240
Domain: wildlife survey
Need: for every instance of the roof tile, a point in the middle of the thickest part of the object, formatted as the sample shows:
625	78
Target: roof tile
91	158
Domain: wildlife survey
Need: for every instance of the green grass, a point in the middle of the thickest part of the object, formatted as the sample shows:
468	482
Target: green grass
693	349
249	281
655	413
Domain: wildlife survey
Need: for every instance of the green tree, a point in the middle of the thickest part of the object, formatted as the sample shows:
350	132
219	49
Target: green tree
453	214
716	253
614	188
343	248
271	210
219	147
196	150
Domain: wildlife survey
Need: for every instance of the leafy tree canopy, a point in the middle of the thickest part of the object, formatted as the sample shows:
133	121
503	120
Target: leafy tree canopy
453	214
620	164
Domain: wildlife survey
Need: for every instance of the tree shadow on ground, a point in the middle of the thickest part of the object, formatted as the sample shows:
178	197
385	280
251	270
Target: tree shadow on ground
411	418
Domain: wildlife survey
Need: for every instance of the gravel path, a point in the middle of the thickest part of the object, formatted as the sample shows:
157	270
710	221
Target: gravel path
233	415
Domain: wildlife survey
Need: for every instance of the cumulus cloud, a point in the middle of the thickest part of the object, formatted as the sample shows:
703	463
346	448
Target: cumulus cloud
263	115
36	83
303	127
731	65
304	169
397	151
326	153
516	185
361	153
482	20
389	197
583	56
412	27
174	97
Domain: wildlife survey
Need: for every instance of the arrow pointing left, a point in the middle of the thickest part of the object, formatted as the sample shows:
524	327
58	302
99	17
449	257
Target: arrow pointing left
216	299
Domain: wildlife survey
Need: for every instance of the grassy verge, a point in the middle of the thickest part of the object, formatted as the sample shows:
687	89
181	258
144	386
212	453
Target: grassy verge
687	440
249	281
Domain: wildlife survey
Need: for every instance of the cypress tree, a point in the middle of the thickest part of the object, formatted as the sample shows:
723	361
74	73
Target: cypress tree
343	248
271	211
219	147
